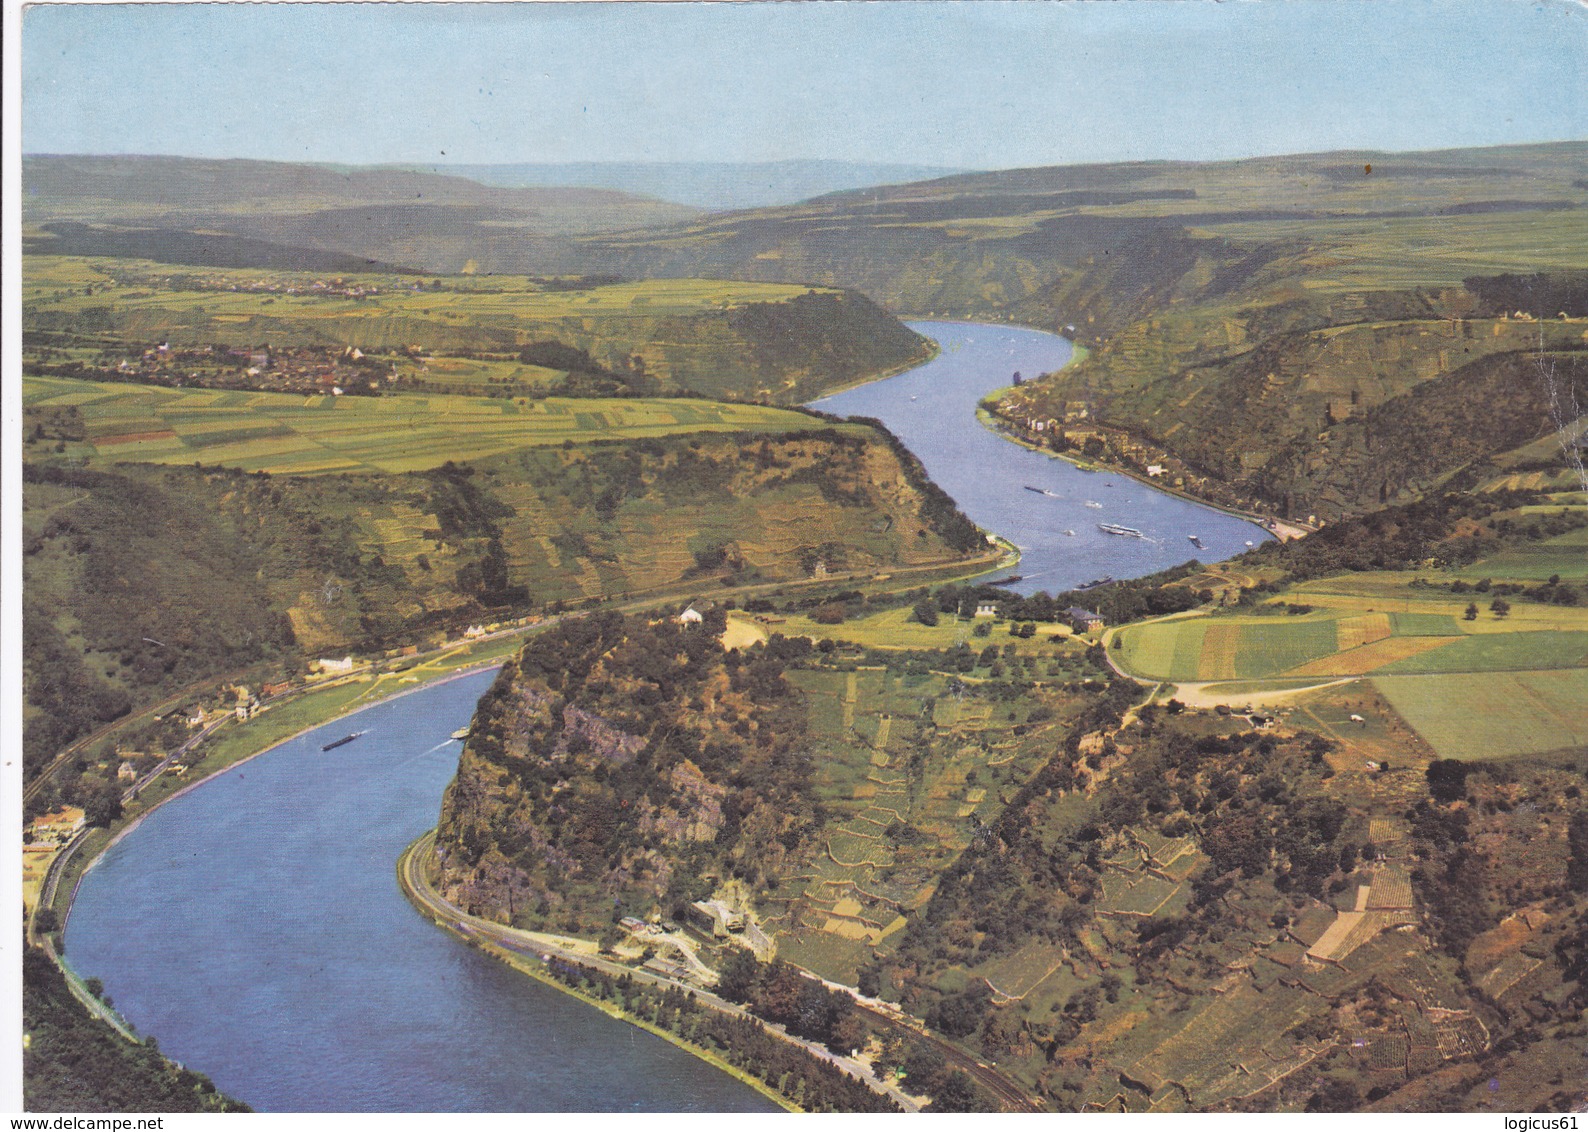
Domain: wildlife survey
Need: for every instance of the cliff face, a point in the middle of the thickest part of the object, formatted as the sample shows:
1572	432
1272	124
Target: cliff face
625	762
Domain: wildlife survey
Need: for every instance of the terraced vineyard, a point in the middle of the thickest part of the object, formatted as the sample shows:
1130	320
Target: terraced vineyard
913	769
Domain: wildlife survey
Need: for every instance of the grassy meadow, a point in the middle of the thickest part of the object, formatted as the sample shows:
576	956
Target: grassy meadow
1486	687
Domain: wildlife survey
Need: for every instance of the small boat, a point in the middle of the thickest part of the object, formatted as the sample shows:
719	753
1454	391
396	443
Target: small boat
1094	506
1116	529
1249	542
461	734
1038	490
1044	491
1010	580
343	741
1070	533
1196	542
1095	582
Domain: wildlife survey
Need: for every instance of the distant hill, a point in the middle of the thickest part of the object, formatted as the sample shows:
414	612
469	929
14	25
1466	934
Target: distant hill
1259	321
704	184
430	222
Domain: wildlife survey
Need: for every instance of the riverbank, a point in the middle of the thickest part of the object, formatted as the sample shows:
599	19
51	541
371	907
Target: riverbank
489	938
280	723
994	424
883	375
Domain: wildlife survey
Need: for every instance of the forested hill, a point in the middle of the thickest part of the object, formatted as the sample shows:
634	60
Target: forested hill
75	1063
620	762
1315	334
200	573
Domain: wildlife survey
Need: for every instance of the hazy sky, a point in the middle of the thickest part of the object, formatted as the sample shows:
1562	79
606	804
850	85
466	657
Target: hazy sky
978	83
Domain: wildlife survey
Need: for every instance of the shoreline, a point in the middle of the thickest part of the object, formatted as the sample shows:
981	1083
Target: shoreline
882	375
523	966
231	766
41	939
990	422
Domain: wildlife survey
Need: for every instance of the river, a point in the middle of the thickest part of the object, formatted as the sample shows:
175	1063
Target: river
932	409
254	925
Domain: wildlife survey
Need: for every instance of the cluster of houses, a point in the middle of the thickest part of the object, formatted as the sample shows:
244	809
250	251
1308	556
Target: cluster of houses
307	370
338	287
1078	619
47	832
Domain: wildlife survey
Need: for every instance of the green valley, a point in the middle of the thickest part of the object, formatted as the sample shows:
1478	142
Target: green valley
769	766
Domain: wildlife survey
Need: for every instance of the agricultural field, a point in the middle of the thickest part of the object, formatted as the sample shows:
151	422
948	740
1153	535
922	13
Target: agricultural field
773	342
1488	687
154	295
1492	715
286	434
1564	555
1351	633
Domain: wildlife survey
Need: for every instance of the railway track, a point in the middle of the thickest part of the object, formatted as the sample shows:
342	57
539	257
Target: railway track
1008	1094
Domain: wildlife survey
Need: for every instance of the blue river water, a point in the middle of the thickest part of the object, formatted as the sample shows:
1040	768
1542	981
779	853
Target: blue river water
255	926
932	409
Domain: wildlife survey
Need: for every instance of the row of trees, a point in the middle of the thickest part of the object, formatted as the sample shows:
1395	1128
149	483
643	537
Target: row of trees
813	1084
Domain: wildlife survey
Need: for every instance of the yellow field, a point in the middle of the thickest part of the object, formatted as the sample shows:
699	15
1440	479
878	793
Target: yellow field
1219	646
1369	657
1353	632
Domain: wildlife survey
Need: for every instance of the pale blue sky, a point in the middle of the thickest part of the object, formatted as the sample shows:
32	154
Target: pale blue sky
979	83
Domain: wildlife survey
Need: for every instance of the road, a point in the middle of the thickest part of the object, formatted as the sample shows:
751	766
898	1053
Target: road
537	946
632	601
1007	1092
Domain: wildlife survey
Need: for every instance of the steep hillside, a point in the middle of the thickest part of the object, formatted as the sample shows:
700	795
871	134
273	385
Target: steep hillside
75	1063
984	243
144	579
1236	312
1131	908
618	763
116	318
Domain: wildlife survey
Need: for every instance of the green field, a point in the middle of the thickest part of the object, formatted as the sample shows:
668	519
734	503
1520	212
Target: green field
285	434
1488	687
1485	715
515	305
779	343
1566	555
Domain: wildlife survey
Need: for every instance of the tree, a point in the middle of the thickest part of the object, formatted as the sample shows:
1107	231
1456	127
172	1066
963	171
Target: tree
1499	607
1472	611
1447	779
957	1093
102	803
925	612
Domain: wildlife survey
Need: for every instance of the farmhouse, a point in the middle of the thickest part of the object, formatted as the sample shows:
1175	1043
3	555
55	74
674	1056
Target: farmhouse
690	616
1082	620
986	609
